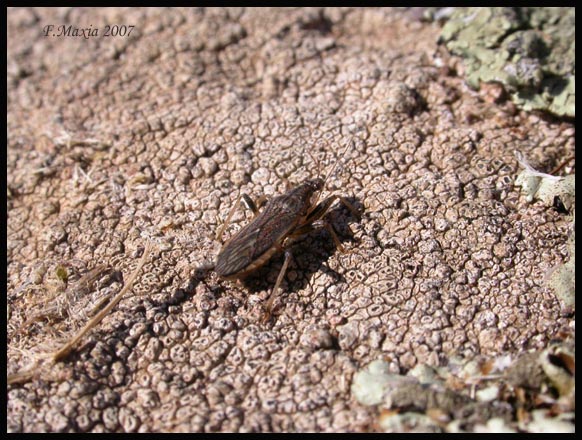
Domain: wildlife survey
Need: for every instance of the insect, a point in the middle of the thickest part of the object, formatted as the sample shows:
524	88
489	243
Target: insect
282	221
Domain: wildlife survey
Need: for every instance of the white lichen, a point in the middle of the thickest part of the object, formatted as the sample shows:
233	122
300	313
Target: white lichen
536	184
545	187
371	383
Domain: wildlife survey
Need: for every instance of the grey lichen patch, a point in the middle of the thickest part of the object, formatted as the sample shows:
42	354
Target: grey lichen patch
543	421
548	188
370	384
562	279
407	422
549	374
472	394
531	51
526	372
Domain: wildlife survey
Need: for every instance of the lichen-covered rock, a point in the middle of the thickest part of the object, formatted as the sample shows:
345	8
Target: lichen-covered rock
458	396
150	137
548	189
529	50
369	385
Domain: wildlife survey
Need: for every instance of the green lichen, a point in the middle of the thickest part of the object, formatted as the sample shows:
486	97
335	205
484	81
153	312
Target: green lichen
531	51
62	273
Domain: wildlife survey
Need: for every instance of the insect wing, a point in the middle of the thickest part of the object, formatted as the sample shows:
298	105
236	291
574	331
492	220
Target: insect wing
261	236
237	253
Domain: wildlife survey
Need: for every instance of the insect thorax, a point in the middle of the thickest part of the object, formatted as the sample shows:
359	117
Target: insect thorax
298	199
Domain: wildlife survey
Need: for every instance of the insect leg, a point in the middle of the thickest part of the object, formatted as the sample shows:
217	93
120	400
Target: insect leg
322	207
273	296
253	206
331	231
306	229
260	202
248	202
351	207
244	199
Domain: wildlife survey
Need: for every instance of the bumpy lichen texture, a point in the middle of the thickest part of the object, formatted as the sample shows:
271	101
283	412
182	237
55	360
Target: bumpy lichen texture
114	142
531	51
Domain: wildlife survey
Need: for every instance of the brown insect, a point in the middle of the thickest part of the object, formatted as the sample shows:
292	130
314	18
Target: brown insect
283	220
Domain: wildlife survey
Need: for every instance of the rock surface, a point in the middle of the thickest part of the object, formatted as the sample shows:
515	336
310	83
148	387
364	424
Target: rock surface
117	141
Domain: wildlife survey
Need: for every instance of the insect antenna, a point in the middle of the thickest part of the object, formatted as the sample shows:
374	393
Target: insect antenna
335	166
338	161
314	160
